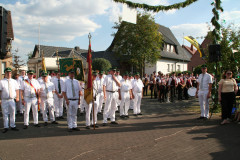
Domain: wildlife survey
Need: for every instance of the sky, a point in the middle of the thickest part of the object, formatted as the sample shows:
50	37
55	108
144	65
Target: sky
67	23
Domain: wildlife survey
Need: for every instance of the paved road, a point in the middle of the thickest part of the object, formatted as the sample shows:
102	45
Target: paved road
164	131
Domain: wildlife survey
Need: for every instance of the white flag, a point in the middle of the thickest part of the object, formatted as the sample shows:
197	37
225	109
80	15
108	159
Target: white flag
129	15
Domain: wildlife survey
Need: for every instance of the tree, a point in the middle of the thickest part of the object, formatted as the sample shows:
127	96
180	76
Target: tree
29	55
101	64
17	62
138	43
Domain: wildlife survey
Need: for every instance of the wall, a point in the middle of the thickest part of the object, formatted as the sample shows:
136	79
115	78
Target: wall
8	62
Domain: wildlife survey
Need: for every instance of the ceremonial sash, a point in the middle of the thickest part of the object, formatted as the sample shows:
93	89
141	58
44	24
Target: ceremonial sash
30	84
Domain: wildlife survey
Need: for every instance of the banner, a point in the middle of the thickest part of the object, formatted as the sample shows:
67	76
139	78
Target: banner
195	44
66	64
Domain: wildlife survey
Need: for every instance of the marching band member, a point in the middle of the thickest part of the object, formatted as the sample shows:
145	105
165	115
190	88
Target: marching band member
110	86
58	97
137	89
89	109
100	92
125	96
71	93
30	98
172	84
9	90
188	84
180	86
162	88
46	98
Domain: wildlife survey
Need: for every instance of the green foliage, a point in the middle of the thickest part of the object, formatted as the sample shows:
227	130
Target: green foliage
157	8
197	70
138	43
101	64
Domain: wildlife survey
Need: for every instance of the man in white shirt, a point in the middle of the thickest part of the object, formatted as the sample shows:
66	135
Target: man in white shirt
58	97
203	92
9	90
30	98
71	93
100	92
89	107
19	106
125	96
110	91
46	98
137	89
23	75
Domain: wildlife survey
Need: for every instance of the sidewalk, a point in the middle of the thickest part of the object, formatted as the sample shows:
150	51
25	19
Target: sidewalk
164	131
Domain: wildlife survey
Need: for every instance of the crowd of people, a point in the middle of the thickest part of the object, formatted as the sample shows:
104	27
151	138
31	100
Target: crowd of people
50	94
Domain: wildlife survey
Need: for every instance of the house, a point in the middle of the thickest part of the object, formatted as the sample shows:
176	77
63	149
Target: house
173	56
50	55
7	61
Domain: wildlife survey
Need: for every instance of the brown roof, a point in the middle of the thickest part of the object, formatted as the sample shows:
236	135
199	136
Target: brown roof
191	51
10	34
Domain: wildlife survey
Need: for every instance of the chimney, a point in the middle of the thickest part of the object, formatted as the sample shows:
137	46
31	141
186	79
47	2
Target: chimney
77	48
191	47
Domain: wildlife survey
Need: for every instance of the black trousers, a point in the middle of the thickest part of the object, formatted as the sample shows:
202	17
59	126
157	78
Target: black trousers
228	99
185	92
162	93
172	92
180	92
145	90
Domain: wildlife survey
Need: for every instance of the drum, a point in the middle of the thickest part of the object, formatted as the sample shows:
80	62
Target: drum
192	91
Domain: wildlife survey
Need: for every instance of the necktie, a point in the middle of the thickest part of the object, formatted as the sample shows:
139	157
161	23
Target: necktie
201	84
73	90
10	89
46	89
59	86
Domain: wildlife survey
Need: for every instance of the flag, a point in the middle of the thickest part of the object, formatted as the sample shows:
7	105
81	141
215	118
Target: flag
194	42
129	14
88	92
43	63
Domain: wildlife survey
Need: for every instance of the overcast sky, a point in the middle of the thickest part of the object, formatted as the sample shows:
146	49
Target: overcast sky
66	23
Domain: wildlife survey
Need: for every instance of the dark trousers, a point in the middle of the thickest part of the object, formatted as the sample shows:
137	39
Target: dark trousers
153	89
185	92
162	93
180	92
145	90
228	99
172	92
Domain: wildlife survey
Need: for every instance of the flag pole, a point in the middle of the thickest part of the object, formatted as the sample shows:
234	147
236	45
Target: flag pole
89	37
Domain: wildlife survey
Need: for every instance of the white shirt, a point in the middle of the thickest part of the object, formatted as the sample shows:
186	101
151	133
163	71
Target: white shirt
28	90
67	88
55	82
23	77
47	93
110	83
5	88
95	87
137	86
100	85
205	80
125	85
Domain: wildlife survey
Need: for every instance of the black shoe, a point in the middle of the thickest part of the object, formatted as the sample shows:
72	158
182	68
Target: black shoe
25	127
100	113
4	130
104	124
54	122
108	119
45	123
200	118
135	114
122	116
76	129
81	114
205	118
14	129
114	122
139	114
87	127
36	125
70	130
21	114
61	117
117	111
126	116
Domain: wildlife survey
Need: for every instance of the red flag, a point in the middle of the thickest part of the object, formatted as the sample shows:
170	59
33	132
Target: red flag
88	96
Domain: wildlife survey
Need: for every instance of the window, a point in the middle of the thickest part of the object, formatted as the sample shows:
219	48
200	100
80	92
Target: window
172	67
168	47
3	67
168	67
178	68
